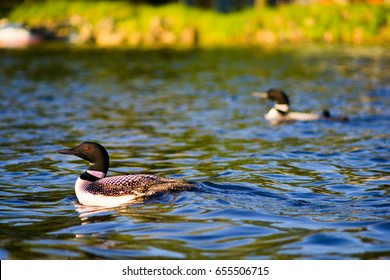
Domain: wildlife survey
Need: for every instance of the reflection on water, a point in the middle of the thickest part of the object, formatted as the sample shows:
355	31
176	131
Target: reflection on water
304	190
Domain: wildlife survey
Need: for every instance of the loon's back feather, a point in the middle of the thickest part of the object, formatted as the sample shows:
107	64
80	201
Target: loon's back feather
298	116
138	185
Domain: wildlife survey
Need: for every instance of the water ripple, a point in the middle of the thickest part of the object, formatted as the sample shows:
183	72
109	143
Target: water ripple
292	191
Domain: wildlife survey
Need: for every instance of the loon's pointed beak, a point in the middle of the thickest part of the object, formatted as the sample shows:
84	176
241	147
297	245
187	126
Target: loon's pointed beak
260	94
71	151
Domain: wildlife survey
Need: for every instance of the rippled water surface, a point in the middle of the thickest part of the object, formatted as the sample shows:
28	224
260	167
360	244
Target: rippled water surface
316	190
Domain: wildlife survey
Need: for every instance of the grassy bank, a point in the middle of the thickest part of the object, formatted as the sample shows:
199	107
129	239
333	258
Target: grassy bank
118	23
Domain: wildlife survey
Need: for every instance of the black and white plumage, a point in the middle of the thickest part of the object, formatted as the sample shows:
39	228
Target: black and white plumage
280	112
138	184
94	189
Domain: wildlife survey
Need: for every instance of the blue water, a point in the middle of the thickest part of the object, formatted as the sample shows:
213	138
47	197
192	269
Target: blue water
315	190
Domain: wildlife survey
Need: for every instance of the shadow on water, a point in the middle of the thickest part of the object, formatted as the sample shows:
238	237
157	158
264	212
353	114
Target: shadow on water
292	191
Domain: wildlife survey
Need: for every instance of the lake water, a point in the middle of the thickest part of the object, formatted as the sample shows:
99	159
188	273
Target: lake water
314	190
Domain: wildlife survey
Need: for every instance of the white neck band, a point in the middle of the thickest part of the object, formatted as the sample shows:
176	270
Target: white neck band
281	107
96	173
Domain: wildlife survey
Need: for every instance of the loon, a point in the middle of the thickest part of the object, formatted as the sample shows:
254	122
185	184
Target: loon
93	188
280	112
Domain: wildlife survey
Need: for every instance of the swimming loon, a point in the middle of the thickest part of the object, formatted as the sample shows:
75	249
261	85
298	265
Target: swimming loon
280	112
92	188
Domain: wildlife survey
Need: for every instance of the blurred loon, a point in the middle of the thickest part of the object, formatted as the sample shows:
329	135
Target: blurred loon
280	112
92	188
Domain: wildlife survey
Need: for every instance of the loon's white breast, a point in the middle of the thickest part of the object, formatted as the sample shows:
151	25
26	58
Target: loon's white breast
87	198
274	116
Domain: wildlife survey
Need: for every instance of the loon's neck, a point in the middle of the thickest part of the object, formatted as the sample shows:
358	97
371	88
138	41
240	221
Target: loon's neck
281	108
86	179
92	175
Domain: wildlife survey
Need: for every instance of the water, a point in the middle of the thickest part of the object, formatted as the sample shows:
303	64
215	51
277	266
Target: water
316	190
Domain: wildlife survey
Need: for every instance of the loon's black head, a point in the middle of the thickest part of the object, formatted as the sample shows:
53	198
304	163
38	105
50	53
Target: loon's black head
94	153
278	96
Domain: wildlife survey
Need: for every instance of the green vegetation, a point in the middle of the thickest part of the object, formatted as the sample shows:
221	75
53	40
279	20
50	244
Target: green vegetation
120	23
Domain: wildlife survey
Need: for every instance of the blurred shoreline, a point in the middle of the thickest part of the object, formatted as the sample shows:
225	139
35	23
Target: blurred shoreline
175	25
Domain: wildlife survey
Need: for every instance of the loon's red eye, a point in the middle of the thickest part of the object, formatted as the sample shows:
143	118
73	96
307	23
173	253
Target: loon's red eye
87	149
